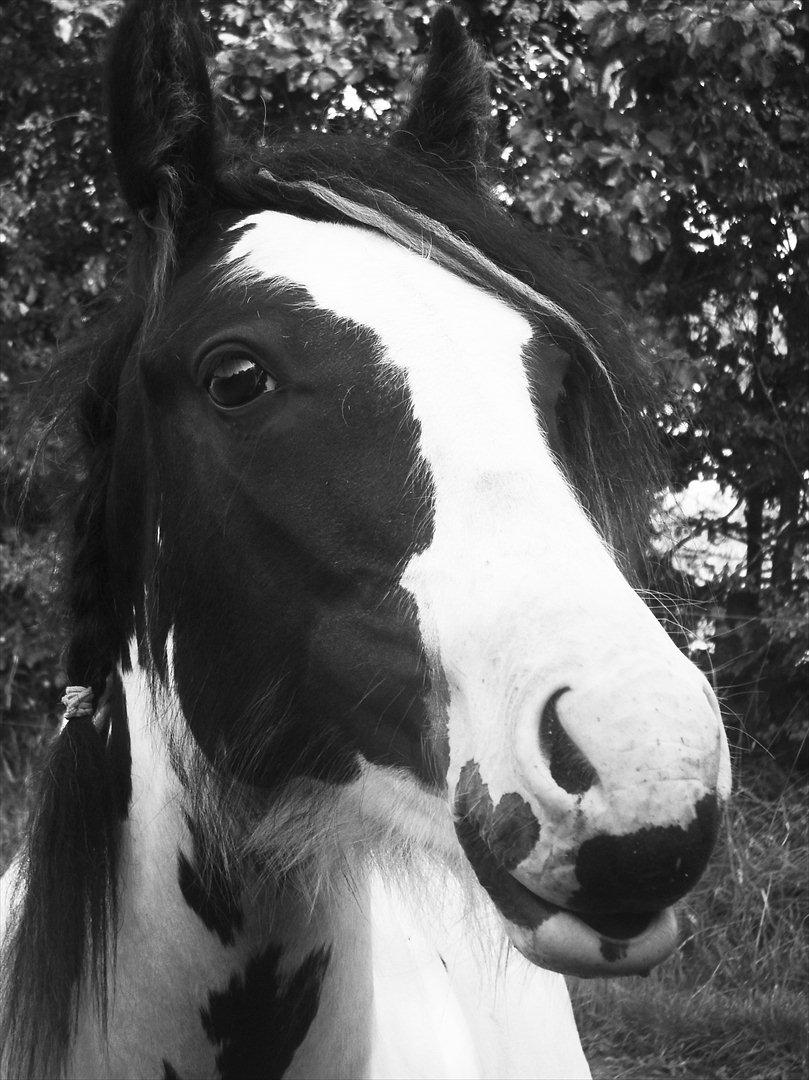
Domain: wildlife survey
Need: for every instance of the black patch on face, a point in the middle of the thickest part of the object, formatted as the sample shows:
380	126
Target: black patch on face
285	526
169	1072
495	839
569	768
262	1018
646	870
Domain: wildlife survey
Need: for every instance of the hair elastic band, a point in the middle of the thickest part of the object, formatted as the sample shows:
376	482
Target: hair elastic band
78	701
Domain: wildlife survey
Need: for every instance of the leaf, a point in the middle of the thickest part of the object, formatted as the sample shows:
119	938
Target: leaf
64	29
660	140
748	14
766	72
705	34
640	246
771	40
589	11
609	31
658	29
323	80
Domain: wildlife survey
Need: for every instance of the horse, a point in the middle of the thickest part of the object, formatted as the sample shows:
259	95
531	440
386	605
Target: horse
371	737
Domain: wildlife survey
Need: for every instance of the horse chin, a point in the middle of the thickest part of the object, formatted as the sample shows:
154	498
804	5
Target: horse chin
590	945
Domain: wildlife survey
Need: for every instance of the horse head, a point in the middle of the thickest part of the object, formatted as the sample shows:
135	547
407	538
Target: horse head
373	450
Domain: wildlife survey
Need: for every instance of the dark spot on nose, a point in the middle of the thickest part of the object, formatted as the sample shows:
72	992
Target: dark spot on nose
570	769
484	837
509	829
648	869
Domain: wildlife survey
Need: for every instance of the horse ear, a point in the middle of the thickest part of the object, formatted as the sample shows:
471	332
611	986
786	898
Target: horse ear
450	112
160	106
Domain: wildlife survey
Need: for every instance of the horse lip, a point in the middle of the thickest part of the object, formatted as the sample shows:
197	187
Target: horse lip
584	944
615	926
524	908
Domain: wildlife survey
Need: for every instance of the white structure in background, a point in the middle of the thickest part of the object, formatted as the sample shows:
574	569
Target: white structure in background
684	525
684	528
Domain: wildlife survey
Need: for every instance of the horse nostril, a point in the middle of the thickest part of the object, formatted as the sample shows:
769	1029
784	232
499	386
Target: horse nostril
570	769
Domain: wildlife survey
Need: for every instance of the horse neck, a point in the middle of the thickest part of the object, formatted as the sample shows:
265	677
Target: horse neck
291	978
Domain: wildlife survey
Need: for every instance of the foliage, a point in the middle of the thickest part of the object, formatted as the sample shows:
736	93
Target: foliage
670	136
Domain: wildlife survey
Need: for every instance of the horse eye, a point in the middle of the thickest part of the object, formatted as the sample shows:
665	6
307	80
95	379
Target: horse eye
237	380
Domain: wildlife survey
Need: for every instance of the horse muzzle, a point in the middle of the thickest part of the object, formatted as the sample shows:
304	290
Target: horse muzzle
577	893
584	943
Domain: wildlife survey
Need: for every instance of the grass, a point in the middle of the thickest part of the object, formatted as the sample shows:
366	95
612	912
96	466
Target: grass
731	1004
